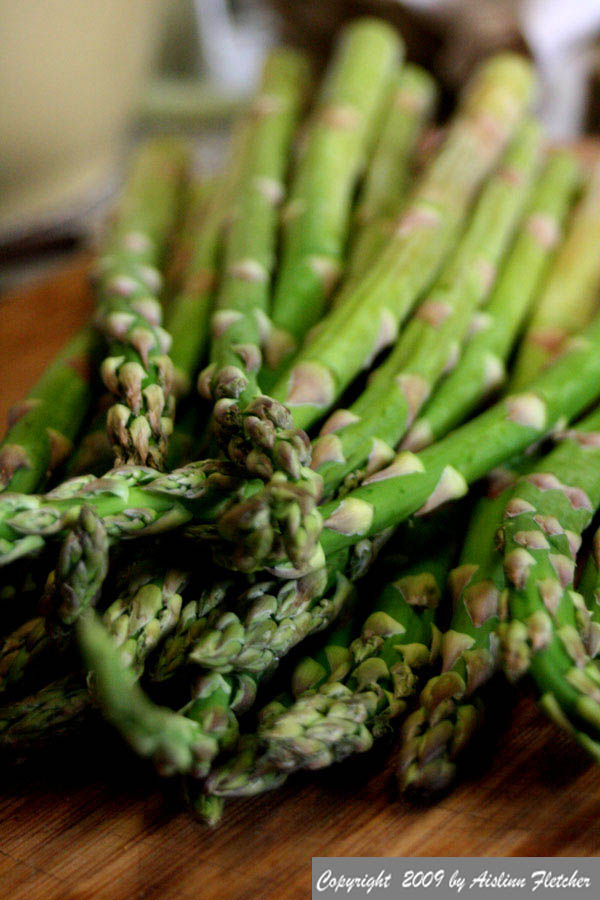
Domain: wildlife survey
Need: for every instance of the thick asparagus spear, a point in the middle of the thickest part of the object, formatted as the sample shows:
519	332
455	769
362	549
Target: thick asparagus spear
353	333
575	275
482	367
540	536
380	416
317	215
386	181
42	428
249	427
128	281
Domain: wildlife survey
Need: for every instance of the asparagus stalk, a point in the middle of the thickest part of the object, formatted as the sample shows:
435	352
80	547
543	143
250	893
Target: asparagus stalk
253	430
353	333
42	428
380	416
317	216
187	316
571	295
138	371
387	178
541	535
482	367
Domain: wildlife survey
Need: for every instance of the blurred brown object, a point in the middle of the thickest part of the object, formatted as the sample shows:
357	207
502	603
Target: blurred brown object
450	37
478	27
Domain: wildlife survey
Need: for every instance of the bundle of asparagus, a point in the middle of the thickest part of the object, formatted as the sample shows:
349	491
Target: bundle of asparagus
321	252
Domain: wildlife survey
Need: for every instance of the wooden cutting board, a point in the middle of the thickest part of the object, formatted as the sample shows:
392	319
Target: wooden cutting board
93	823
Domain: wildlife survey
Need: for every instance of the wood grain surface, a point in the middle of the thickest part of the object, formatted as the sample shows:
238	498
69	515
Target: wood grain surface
90	822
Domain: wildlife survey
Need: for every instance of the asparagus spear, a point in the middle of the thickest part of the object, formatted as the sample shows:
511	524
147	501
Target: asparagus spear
481	368
268	620
379	417
251	429
317	215
435	734
576	275
187	316
541	535
589	588
58	709
353	333
42	428
73	586
138	620
138	372
387	177
343	717
249	772
175	742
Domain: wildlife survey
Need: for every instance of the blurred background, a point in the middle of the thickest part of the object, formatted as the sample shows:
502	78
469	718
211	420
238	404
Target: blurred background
82	79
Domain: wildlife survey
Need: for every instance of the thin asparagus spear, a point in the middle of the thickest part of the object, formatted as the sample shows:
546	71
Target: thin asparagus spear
481	369
249	427
266	622
541	535
380	416
138	371
325	671
387	178
317	216
353	333
188	314
575	275
42	428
